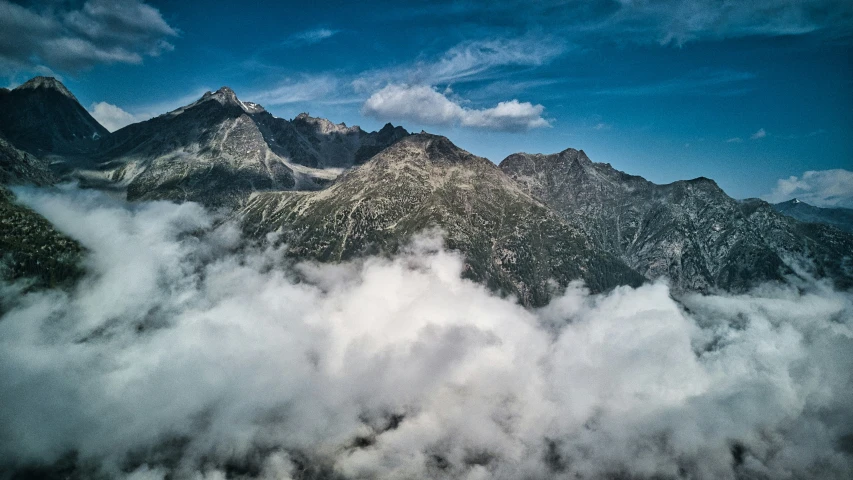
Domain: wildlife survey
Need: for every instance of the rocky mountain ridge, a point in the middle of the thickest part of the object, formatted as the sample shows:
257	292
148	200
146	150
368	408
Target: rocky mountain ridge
526	227
689	231
839	217
511	242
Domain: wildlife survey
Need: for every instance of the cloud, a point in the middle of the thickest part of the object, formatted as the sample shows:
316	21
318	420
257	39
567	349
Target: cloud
822	188
673	22
468	61
113	117
734	140
100	31
701	82
306	88
761	133
425	105
310	37
187	353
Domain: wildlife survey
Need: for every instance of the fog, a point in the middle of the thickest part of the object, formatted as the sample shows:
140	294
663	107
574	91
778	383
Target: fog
187	352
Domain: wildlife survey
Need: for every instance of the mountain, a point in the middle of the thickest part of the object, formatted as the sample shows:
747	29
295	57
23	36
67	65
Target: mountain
319	143
841	218
42	117
19	168
511	242
30	247
219	149
689	231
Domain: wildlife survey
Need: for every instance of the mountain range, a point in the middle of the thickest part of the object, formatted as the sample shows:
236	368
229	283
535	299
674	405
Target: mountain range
839	217
526	227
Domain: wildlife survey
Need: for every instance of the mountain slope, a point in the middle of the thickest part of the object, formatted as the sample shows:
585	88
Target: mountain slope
19	168
841	218
689	231
210	151
319	143
511	242
42	117
219	149
30	248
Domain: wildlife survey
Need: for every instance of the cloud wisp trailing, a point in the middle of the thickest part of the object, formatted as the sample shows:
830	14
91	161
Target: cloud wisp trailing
821	188
310	37
425	105
100	31
468	61
185	352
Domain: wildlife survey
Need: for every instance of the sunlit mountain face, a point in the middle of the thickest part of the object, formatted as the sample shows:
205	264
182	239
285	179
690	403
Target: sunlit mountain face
598	240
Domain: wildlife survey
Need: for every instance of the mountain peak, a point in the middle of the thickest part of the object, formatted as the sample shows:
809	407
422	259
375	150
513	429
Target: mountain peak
226	96
49	83
435	148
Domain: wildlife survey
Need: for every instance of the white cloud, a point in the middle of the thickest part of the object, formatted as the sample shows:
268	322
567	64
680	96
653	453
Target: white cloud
822	188
471	60
424	105
678	22
113	117
310	37
734	140
182	354
761	133
299	89
100	31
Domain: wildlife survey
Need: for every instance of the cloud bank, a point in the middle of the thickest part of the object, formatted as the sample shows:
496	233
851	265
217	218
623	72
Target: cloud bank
186	352
62	37
425	105
821	188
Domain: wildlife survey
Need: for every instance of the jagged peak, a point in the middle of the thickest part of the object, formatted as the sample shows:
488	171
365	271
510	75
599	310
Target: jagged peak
324	125
436	148
226	96
49	83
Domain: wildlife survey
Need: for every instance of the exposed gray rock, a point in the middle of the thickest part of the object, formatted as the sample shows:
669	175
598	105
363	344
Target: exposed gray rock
511	242
688	231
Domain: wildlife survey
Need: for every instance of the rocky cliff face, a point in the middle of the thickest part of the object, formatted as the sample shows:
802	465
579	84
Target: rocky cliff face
42	117
511	242
689	231
220	149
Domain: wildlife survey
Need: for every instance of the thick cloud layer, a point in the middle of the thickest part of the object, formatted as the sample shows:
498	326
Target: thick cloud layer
185	351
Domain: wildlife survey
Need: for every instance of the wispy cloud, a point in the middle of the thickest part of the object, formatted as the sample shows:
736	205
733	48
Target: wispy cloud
309	37
703	82
467	61
761	133
424	105
99	31
306	88
734	140
822	188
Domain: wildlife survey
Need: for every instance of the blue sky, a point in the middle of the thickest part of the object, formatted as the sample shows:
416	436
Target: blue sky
746	93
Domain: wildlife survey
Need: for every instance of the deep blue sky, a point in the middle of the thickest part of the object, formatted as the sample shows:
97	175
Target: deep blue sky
746	93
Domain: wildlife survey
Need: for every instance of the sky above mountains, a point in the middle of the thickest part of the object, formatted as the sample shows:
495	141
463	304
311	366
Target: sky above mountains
756	95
